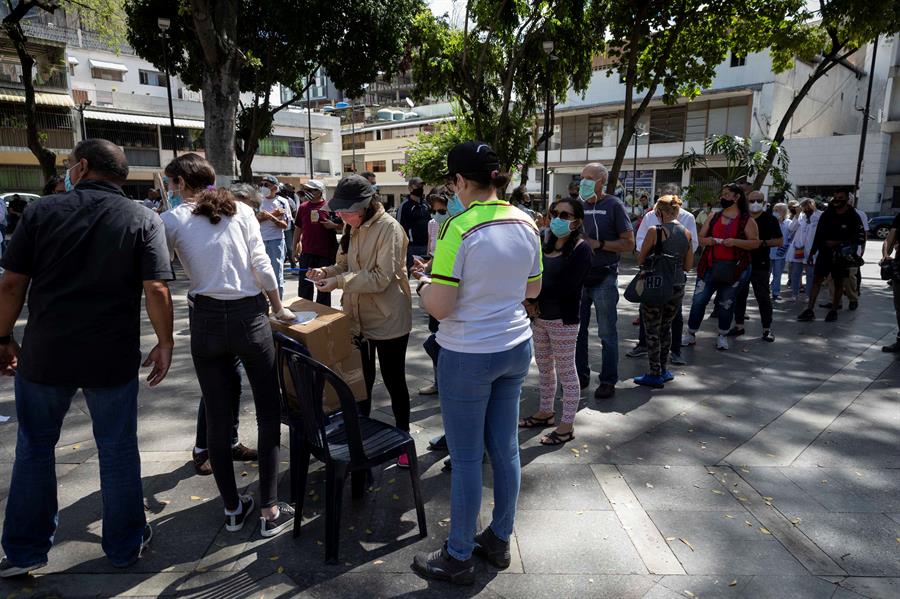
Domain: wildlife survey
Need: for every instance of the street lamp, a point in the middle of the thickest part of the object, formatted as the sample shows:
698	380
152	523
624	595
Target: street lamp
309	132
164	25
638	132
547	46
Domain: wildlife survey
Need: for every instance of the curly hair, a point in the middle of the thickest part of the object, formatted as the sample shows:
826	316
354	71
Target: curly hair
199	176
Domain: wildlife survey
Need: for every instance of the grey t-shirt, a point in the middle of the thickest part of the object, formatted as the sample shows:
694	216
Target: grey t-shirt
604	220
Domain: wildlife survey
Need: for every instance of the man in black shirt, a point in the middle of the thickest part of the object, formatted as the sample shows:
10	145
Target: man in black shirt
84	258
414	215
839	235
769	237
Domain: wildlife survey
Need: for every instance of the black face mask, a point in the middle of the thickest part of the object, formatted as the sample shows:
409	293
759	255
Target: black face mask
726	203
838	204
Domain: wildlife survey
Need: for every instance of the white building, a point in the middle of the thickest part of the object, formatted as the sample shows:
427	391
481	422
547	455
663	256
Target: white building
746	99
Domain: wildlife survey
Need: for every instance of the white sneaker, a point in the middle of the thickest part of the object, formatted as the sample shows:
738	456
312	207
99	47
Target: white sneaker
722	343
689	339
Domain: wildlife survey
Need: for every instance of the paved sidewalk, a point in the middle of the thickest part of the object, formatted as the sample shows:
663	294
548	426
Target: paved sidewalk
770	470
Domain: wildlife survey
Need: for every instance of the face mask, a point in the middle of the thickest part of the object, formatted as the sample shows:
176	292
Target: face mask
717	209
587	188
756	207
440	218
174	199
455	206
726	203
838	204
68	182
559	227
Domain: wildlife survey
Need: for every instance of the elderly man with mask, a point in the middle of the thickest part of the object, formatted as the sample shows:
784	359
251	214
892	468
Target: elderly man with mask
770	236
274	217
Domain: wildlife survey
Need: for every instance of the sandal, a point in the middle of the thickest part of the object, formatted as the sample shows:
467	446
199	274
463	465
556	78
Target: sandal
555	438
532	422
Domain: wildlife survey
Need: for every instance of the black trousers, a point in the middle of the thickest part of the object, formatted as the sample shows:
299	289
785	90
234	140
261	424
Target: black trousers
221	332
759	279
392	362
306	287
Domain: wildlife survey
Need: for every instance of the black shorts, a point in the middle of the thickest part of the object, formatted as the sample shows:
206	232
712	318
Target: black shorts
826	266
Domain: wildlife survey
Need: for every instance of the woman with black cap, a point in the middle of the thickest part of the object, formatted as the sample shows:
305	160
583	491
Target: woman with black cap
371	271
486	263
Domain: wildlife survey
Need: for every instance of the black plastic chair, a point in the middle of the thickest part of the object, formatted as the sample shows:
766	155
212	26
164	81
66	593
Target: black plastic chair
346	443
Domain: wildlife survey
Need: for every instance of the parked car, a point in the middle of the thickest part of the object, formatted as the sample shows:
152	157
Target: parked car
28	197
880	226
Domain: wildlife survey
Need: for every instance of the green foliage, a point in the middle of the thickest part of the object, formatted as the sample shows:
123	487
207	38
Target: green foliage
497	70
741	160
427	155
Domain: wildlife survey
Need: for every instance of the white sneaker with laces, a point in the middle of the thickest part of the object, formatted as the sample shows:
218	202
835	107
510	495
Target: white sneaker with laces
689	339
722	343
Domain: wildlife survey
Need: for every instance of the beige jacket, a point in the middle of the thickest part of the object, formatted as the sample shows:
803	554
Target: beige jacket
373	276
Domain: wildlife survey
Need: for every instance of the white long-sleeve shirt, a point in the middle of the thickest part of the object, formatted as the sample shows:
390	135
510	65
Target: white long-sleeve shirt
650	220
225	261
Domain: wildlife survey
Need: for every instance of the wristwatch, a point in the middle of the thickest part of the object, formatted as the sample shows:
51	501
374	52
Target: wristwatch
6	339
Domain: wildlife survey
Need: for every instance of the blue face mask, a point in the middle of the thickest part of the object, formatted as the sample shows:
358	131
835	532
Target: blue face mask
559	227
455	206
173	199
68	182
587	188
440	218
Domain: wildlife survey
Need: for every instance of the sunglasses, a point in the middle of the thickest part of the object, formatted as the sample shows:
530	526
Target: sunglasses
439	211
267	184
562	214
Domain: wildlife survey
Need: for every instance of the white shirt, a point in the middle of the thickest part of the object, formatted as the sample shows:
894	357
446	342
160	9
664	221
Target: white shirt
269	230
863	218
225	261
651	220
2	212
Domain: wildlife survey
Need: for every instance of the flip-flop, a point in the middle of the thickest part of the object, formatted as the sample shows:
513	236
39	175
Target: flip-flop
554	438
532	422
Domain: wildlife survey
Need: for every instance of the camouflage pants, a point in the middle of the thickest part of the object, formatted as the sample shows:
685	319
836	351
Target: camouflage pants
657	321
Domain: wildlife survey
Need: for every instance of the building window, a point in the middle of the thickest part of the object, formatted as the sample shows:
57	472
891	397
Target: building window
153	78
356	141
376	166
667	124
277	145
737	60
397	164
107	74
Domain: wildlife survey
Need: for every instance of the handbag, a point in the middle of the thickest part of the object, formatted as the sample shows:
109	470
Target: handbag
724	271
890	270
654	284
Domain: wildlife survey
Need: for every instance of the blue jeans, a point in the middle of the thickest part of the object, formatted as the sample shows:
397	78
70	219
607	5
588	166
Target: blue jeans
481	409
275	251
32	511
604	297
797	270
777	270
704	291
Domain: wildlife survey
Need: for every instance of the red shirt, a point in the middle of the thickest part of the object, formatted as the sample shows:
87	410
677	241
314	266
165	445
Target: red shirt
722	231
316	239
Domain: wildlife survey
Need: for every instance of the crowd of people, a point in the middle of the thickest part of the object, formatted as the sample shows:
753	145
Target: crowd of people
502	285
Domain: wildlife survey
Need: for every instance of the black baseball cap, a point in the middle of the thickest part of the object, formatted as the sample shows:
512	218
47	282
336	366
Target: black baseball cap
353	192
472	158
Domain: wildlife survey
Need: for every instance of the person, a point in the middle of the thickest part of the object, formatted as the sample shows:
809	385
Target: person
803	230
17	205
778	255
55	184
853	280
437	200
573	189
729	235
676	242
83	332
769	231
485	334
643	205
690	224
888	255
554	324
315	239
274	218
154	200
836	243
609	233
370	177
371	271
521	200
414	216
704	214
287	192
219	244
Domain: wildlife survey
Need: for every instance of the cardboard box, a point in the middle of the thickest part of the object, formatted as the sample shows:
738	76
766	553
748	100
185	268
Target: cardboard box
349	369
327	336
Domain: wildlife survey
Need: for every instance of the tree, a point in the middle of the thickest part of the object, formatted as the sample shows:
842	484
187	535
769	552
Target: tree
100	15
841	28
427	155
497	70
674	47
288	42
741	160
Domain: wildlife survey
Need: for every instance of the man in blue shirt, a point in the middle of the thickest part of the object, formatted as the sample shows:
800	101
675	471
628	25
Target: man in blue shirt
609	232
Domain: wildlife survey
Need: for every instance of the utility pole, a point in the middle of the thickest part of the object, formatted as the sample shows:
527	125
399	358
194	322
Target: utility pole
865	126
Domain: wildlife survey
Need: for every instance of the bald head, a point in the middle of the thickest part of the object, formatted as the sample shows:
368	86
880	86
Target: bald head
595	172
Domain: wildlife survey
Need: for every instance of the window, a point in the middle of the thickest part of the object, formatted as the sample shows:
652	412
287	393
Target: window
187	139
667	124
153	78
278	145
107	74
376	166
355	141
737	60
396	164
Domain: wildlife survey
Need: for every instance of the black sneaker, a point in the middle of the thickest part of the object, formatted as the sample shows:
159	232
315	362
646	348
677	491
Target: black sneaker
888	349
7	570
735	332
854	305
807	315
605	391
489	547
440	565
438	443
285	518
768	336
447	466
637	351
831	316
234	523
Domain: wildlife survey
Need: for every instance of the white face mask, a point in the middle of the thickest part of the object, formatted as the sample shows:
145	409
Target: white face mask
756	207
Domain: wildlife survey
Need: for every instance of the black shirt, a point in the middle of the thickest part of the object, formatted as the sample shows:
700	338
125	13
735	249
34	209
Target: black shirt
87	253
414	217
846	228
768	229
562	282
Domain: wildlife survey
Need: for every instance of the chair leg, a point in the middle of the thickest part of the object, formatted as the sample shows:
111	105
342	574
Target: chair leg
294	462
358	484
298	488
417	492
334	487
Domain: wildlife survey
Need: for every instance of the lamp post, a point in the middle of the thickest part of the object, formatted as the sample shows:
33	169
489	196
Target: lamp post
309	132
164	25
548	50
865	126
638	132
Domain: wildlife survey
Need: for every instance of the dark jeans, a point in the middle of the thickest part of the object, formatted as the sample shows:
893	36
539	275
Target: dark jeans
32	511
222	331
306	287
677	330
392	361
895	288
289	246
759	279
703	292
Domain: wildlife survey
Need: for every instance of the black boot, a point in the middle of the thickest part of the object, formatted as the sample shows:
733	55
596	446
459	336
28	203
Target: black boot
892	349
440	565
491	548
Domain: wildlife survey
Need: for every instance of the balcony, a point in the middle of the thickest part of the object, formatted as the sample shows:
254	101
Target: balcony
55	127
50	32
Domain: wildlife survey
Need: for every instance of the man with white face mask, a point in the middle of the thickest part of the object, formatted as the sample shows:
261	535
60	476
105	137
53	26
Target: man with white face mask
770	236
273	216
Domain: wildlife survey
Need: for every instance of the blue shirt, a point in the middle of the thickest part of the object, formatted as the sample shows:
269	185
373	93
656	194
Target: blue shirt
605	220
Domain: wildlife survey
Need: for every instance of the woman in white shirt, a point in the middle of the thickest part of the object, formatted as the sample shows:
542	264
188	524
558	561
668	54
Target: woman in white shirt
219	245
